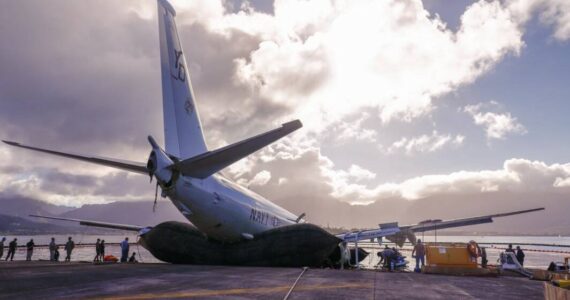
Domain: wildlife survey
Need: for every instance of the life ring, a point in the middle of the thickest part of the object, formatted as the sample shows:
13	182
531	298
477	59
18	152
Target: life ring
473	249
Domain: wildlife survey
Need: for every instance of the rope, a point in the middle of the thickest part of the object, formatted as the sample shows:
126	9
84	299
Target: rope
374	291
295	283
535	250
138	250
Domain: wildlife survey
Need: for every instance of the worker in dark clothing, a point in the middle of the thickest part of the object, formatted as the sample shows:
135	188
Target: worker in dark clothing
52	247
419	253
511	250
484	260
125	250
97	251
68	248
12	249
2	247
133	259
389	255
29	250
102	250
520	255
56	253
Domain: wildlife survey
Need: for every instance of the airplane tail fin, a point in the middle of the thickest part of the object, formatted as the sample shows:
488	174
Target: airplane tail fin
182	127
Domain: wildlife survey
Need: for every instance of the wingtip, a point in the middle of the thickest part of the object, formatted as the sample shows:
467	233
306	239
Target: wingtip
167	6
10	143
293	124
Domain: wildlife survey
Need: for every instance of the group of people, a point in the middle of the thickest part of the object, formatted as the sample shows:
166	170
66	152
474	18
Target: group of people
518	253
54	254
12	249
99	250
125	252
54	249
389	257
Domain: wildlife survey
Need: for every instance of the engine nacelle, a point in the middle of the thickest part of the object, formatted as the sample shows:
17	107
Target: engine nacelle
158	163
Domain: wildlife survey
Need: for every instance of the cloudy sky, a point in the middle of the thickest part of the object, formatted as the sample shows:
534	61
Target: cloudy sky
402	99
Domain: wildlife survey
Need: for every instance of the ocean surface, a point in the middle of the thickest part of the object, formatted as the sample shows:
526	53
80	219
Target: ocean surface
536	256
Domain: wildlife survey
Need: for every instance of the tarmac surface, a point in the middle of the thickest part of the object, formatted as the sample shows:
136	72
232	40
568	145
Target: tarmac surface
44	279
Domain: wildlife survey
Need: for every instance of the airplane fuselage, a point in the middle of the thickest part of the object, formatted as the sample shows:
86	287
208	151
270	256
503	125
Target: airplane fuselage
224	210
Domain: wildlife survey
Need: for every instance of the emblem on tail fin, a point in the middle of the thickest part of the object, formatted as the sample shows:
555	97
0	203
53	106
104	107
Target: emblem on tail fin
179	66
188	106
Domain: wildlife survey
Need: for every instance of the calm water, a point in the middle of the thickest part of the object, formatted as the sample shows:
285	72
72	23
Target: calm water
535	257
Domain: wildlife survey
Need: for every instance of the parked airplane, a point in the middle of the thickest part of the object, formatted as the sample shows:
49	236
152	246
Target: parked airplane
229	223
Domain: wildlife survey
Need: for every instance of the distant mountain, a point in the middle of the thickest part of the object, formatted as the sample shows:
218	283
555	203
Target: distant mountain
17	225
553	221
132	213
15	205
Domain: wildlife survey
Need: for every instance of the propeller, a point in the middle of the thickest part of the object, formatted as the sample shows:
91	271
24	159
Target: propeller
157	167
401	237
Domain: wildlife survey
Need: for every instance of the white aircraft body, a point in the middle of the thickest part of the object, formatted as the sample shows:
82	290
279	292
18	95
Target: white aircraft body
187	171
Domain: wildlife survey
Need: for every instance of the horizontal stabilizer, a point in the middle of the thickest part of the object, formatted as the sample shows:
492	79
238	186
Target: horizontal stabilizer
114	163
204	165
438	224
95	223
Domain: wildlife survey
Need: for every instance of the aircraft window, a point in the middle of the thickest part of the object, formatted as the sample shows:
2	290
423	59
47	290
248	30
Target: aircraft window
217	198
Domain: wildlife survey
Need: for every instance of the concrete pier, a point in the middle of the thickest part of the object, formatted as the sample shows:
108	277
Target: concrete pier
40	280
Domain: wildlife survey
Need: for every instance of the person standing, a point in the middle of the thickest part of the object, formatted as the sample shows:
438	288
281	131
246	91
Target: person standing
102	250
29	250
484	260
420	254
68	248
520	255
2	247
52	247
12	249
97	250
125	250
56	253
344	255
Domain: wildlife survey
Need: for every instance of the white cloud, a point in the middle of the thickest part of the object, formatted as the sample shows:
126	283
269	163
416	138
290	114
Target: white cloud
516	175
259	179
326	60
555	13
425	143
496	125
398	72
320	179
345	131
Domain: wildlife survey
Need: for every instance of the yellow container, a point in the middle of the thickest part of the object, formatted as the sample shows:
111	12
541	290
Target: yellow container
454	255
565	284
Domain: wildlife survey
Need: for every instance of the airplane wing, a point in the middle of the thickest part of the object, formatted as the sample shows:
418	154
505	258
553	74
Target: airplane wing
114	163
96	223
204	165
370	234
399	234
439	224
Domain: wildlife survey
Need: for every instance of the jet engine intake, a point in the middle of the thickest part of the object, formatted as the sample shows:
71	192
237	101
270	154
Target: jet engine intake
401	237
158	164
